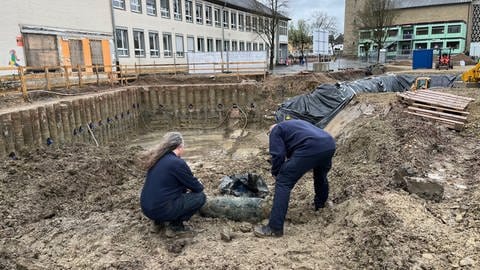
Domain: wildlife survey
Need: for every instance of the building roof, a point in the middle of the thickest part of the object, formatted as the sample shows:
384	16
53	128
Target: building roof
251	6
400	4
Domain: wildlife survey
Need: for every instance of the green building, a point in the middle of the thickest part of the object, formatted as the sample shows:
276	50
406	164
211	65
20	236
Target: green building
403	39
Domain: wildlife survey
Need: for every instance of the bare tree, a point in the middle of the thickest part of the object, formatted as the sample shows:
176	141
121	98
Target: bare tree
376	16
267	29
299	36
321	20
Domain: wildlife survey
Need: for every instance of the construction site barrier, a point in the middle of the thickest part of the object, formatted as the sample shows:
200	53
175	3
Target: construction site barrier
28	78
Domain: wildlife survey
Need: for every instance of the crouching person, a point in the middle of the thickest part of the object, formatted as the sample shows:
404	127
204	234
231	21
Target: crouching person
171	194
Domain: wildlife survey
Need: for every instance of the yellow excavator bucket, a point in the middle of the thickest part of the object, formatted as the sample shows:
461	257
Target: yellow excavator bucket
472	75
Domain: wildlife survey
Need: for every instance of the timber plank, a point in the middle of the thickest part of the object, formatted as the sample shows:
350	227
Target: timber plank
442	109
439	114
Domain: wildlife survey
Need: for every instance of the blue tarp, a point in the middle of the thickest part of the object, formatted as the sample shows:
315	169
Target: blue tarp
321	105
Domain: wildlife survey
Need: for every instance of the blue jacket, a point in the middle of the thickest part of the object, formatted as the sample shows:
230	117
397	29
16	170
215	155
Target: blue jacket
166	181
297	138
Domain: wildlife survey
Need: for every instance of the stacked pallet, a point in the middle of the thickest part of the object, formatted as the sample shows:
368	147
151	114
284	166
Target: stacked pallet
442	107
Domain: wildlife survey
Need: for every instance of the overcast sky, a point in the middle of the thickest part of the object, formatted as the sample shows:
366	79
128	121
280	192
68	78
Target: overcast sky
302	9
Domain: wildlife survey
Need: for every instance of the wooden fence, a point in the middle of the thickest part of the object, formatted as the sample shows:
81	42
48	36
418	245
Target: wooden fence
54	77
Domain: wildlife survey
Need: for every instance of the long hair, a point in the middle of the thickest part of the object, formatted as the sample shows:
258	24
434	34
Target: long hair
170	142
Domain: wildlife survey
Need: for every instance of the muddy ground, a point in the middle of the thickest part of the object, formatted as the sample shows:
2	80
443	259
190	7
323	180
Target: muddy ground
77	207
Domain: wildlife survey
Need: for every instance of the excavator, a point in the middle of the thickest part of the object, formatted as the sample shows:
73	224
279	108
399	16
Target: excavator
472	75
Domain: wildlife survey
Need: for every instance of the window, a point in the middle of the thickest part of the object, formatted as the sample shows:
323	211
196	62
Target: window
199	13
436	30
136	6
242	46
261	48
453	29
210	45
226	45
225	18
422	45
200	44
138	43
218	45
241	22
154	44
177	9
249	46
261	25
422	31
233	20
234	45
255	46
453	44
179	46
365	35
392	32
248	23
167	44
216	15
282	28
119	4
165	8
188	11
190	44
436	45
122	42
267	25
152	7
254	23
208	15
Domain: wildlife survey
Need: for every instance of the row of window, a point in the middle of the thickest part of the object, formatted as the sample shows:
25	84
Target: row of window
200	45
438	30
204	14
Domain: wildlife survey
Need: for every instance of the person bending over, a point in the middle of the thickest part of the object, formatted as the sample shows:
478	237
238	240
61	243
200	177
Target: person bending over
170	193
296	146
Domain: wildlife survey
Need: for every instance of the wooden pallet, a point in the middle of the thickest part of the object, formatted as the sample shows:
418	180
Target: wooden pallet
445	108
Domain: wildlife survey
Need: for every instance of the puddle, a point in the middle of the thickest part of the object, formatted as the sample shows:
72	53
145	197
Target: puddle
201	144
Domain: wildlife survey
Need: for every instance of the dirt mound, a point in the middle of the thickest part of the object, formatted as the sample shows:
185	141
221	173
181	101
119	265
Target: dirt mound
77	207
462	57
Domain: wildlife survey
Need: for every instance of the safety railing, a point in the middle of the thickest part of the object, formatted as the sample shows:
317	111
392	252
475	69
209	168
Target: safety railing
29	78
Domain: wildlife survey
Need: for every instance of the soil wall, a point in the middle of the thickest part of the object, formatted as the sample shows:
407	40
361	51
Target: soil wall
100	118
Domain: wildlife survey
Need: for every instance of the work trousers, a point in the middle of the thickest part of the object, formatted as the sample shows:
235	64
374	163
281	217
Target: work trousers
180	209
290	172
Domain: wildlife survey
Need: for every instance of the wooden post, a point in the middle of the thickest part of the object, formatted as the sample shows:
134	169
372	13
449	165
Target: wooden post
59	124
27	128
79	76
52	124
47	79
42	116
67	130
78	119
36	129
23	82
7	133
67	78
83	120
96	73
3	144
17	131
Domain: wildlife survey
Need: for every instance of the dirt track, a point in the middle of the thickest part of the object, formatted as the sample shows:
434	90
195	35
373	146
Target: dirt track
77	207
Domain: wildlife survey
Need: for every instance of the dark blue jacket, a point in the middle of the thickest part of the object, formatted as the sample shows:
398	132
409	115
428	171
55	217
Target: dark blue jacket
297	138
166	181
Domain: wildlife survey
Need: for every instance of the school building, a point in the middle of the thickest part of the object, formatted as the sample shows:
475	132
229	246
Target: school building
56	33
430	24
102	32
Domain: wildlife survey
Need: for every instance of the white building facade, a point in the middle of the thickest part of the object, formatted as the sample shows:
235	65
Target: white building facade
164	31
56	33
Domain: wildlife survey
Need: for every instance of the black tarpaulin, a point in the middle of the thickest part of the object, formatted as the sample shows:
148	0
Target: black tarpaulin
321	105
